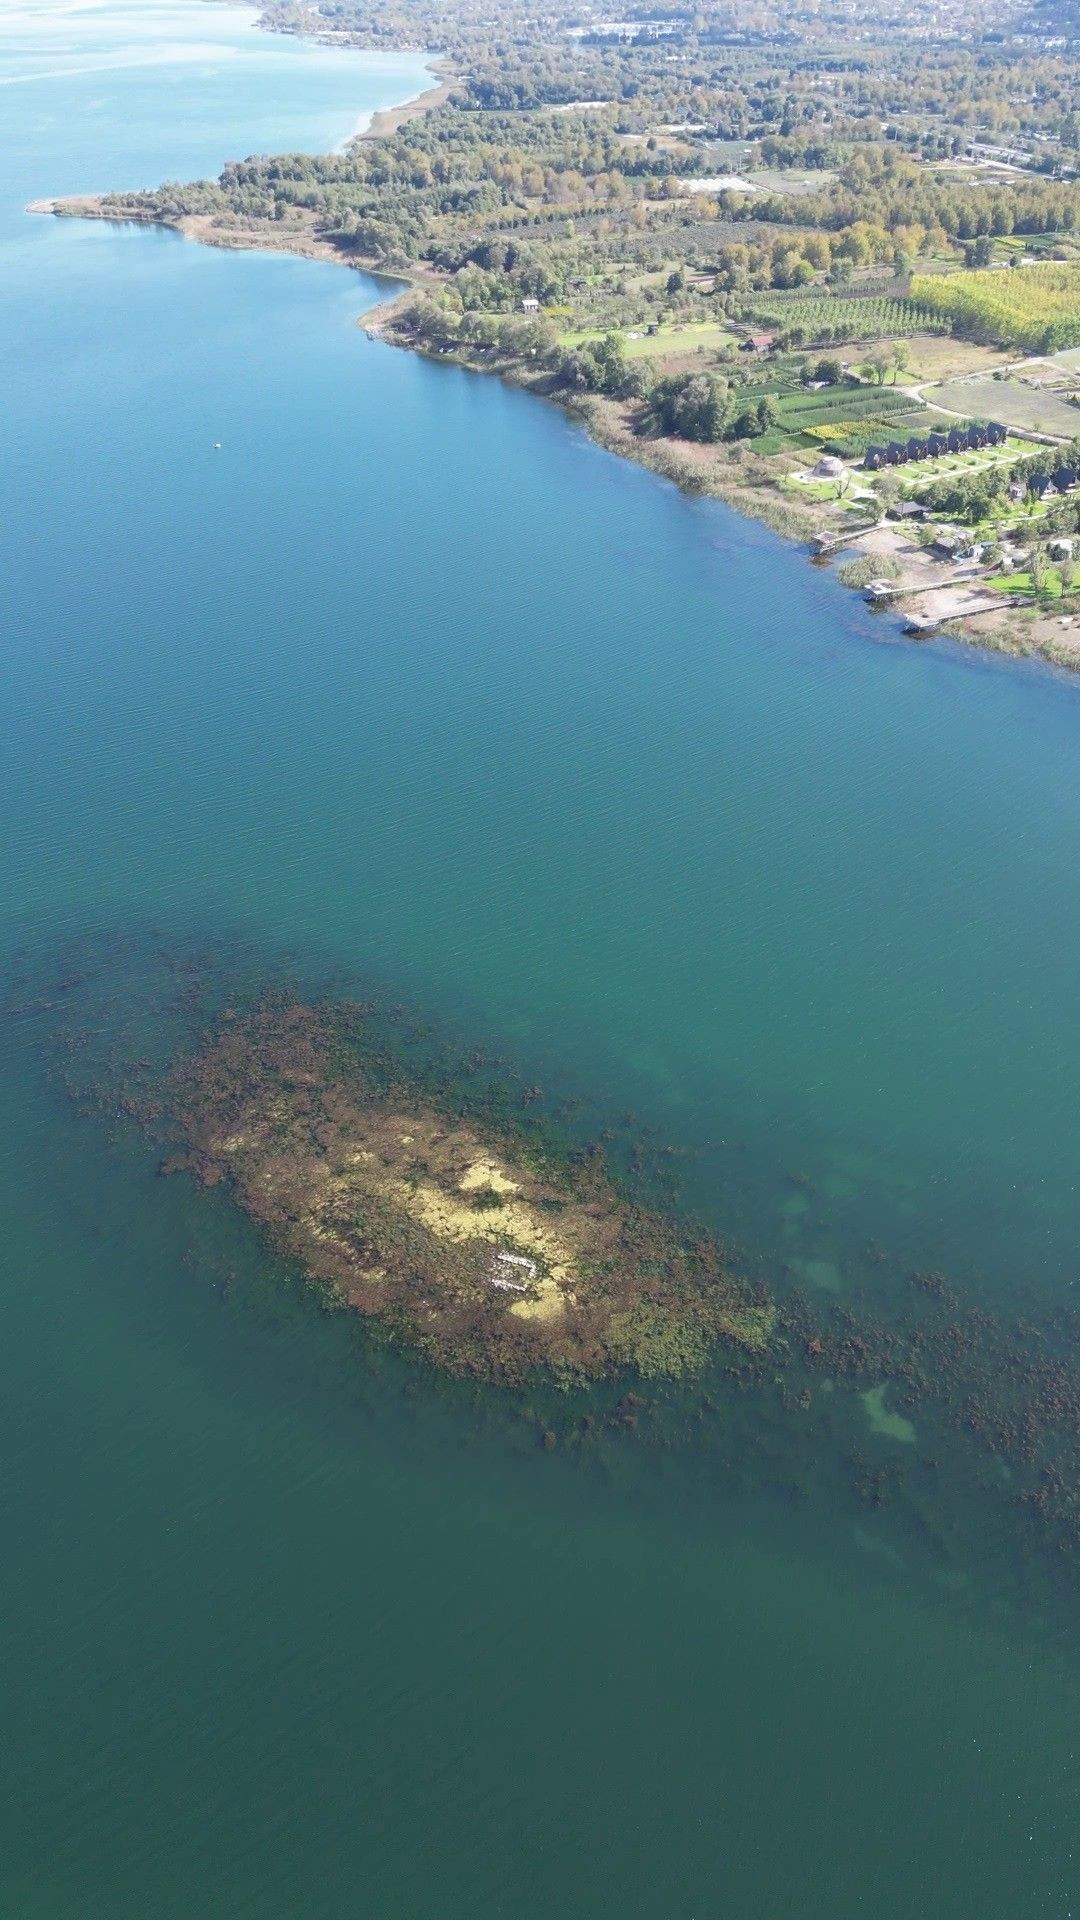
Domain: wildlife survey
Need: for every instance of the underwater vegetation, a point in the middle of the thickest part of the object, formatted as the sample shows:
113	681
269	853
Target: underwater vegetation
448	1208
1008	1385
482	1248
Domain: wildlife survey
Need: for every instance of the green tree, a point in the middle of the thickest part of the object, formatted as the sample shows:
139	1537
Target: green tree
1037	570
691	406
889	489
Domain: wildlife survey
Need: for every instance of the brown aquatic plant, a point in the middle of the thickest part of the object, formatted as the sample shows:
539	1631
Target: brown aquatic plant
474	1244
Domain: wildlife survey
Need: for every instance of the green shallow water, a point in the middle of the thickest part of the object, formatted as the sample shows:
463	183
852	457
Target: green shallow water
408	680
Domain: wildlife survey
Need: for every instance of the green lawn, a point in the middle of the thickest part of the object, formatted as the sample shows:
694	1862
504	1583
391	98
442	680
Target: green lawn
666	341
1021	583
810	489
948	465
1007	521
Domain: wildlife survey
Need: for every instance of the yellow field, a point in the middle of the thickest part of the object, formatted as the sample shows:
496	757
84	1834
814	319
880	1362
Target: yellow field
1034	308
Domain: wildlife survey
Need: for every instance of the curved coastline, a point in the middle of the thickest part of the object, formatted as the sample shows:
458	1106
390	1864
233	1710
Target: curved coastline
985	624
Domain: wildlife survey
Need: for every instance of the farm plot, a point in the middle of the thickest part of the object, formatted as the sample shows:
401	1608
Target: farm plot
844	420
791	180
839	407
824	321
1009	401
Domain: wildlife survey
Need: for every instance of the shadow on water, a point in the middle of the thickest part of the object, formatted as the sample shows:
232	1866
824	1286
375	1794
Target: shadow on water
898	1432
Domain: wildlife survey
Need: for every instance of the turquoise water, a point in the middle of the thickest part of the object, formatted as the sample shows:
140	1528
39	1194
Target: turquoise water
408	679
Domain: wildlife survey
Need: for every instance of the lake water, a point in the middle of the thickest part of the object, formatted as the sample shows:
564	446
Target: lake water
408	680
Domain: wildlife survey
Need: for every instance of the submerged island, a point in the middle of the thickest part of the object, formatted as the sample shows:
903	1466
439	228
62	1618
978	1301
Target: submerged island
482	1249
463	1220
824	267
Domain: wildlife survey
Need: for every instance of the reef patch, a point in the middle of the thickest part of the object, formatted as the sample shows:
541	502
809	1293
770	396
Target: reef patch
478	1248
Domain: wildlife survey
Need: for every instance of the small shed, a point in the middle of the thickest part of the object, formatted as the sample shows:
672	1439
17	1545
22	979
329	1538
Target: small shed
530	304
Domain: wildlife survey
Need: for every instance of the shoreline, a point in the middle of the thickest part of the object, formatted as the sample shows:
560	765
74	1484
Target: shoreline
920	591
387	120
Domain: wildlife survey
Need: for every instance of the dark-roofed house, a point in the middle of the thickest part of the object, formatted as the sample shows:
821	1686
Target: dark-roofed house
996	434
916	449
1064	478
977	436
936	443
958	440
895	453
874	459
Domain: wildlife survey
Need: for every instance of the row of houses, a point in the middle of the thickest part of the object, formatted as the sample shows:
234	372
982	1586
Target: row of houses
1062	480
929	446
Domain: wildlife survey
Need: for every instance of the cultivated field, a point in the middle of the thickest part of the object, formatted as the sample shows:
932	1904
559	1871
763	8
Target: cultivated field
790	180
824	318
1009	401
935	356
